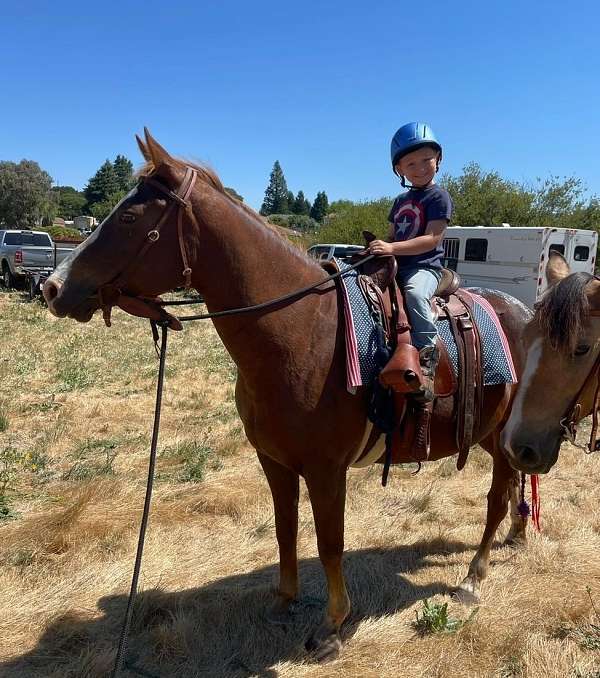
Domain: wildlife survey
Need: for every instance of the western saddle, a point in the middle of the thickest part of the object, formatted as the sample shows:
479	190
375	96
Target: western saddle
401	380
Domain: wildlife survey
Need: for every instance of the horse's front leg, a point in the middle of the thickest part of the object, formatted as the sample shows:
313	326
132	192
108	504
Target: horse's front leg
327	490
497	506
284	484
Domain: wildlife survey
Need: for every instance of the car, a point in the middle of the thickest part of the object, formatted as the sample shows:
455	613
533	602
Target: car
327	251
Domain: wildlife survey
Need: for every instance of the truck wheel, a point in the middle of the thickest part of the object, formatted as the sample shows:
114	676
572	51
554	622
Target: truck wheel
34	288
8	279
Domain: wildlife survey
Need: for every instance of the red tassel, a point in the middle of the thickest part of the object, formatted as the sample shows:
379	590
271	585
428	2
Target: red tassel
535	502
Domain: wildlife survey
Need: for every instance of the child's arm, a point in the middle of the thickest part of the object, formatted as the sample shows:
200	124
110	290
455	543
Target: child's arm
434	233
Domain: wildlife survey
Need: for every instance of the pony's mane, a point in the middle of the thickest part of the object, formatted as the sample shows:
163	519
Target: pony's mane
563	312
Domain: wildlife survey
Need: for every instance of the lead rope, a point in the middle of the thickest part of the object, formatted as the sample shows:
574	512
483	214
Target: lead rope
523	507
146	512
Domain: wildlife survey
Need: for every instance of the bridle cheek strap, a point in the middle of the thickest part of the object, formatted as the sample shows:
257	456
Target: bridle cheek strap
111	294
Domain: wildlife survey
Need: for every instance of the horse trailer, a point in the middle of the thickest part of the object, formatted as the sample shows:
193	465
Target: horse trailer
513	259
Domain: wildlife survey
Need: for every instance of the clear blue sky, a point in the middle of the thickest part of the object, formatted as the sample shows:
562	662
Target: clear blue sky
320	86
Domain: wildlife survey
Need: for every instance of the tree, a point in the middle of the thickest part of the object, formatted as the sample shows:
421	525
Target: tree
102	209
300	205
26	198
276	194
346	221
320	207
103	184
70	202
124	171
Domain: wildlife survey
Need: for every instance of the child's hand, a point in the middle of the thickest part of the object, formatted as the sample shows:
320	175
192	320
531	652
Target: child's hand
380	247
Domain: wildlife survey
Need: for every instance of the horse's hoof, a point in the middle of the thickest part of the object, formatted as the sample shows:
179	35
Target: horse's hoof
467	593
324	649
515	541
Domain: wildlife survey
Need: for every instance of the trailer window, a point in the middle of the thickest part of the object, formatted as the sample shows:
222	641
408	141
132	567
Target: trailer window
451	246
582	253
476	249
555	247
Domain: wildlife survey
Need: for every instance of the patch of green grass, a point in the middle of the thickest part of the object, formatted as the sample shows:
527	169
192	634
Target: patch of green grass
434	618
195	458
3	420
92	458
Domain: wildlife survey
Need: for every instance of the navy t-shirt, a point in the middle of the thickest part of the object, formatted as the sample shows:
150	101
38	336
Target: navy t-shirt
409	217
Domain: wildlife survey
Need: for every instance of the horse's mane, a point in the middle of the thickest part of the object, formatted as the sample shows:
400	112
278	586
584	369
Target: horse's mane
563	311
209	176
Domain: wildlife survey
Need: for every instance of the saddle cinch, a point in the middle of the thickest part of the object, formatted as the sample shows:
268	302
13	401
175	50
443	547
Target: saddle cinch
401	375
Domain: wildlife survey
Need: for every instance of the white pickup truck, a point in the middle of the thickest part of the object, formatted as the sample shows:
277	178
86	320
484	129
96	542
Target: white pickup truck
29	256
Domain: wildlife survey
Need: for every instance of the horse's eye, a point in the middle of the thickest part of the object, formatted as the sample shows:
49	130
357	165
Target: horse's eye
127	218
582	349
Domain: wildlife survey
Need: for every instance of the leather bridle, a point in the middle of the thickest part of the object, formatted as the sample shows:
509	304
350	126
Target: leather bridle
111	294
570	421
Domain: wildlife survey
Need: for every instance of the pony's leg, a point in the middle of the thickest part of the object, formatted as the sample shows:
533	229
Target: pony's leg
284	484
327	490
469	589
517	535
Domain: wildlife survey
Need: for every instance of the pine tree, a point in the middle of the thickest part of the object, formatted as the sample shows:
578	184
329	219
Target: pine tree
301	204
290	202
276	194
104	183
124	171
320	207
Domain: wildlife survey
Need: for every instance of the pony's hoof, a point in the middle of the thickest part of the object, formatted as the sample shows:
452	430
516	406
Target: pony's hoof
324	649
467	593
516	541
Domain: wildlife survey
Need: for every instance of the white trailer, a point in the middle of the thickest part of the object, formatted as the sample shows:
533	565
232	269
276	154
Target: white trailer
513	259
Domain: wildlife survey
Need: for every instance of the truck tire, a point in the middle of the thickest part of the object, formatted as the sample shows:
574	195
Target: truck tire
8	279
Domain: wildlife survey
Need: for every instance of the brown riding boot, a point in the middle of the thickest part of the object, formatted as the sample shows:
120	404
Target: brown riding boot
429	358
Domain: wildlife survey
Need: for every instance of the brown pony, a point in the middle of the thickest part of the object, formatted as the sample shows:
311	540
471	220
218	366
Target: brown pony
562	345
291	388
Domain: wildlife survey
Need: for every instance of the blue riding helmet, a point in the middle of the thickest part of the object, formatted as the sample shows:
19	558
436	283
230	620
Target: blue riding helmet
409	138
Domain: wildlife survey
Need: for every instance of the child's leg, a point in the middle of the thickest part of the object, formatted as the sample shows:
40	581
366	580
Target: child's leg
419	286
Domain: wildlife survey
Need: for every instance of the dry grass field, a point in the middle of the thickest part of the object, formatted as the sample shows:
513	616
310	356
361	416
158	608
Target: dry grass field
76	404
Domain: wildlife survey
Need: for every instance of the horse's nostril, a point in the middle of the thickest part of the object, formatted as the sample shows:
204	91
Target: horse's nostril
528	455
51	289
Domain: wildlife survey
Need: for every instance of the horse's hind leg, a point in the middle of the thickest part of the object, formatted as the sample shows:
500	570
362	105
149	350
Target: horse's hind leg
284	484
327	489
502	478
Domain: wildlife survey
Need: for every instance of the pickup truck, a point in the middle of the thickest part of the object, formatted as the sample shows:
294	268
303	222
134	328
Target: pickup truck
24	254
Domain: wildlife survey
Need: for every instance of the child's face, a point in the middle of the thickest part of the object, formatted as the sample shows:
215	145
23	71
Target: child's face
420	166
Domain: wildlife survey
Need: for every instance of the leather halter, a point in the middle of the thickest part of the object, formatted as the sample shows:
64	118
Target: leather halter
111	294
569	422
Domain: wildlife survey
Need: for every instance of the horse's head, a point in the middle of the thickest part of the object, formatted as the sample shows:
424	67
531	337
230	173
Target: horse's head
139	251
562	344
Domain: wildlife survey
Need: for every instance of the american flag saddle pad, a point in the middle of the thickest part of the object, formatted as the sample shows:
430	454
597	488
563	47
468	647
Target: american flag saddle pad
361	337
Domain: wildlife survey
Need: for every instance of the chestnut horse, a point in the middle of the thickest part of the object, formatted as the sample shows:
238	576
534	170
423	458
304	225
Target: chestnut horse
291	388
562	345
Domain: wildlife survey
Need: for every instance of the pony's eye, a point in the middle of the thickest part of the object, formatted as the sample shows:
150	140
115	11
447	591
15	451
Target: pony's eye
127	218
582	349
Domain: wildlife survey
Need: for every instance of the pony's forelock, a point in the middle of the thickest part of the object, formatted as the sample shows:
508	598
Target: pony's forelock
563	312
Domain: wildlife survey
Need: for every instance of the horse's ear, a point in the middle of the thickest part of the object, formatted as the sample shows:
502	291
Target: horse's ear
158	155
592	290
143	149
557	268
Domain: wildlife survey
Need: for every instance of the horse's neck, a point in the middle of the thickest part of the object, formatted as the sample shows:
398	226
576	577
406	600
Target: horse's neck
243	263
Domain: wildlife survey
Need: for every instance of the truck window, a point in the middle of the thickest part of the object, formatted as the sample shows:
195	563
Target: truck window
451	246
25	239
555	247
582	253
476	249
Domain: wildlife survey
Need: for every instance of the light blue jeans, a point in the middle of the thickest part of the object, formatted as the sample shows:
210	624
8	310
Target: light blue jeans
419	285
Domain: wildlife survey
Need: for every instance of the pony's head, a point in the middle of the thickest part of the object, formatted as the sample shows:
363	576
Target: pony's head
562	344
144	247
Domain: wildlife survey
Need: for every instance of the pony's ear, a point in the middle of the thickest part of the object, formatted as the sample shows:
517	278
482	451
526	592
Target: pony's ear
557	268
592	290
158	155
143	149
